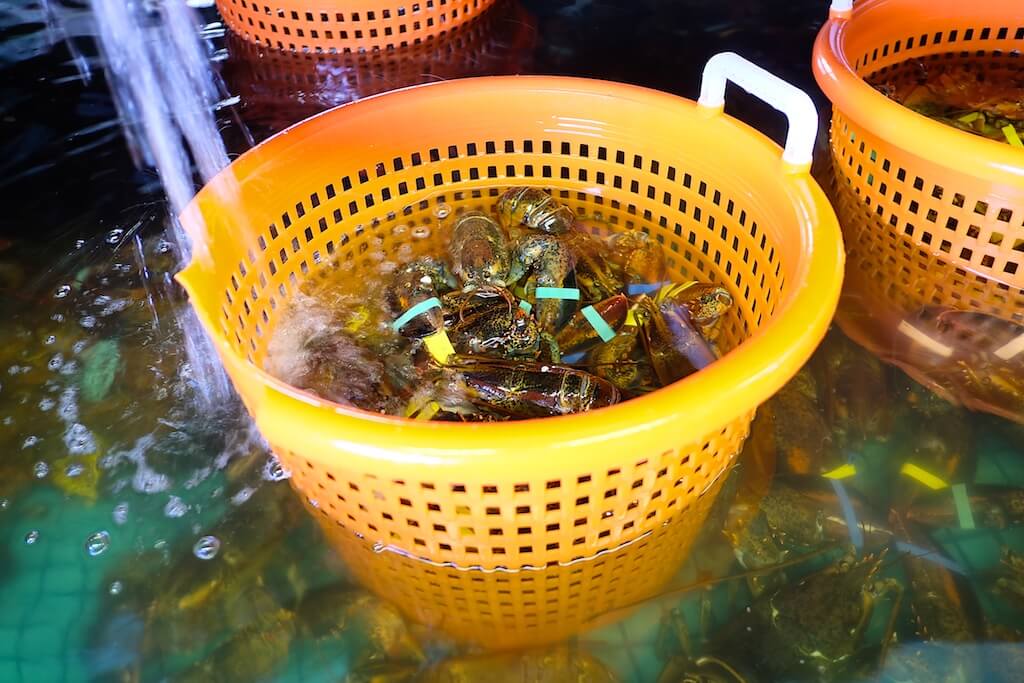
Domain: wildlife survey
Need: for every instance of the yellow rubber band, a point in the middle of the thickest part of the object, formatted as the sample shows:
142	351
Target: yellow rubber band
841	472
1011	136
439	346
923	476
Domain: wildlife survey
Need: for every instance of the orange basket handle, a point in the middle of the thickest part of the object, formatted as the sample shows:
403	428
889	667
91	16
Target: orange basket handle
787	98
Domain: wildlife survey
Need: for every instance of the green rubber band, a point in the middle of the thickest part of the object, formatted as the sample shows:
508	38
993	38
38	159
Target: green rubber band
603	329
567	293
525	306
963	506
421	307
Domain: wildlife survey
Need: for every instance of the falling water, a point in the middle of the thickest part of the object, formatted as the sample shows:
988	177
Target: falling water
159	72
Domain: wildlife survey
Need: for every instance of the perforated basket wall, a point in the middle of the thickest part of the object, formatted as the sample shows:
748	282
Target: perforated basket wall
344	26
361	185
930	215
279	87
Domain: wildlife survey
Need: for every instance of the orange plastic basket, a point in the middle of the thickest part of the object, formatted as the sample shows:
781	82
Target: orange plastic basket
275	84
343	26
521	532
931	216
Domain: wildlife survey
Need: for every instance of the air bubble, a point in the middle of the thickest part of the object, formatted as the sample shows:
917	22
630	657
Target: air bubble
56	362
400	230
206	547
30	441
387	267
421	232
175	508
379	547
274	470
50	340
97	543
40	470
116	588
74	470
115	235
31	537
243	495
62	291
4	503
442	211
46	404
120	513
88	322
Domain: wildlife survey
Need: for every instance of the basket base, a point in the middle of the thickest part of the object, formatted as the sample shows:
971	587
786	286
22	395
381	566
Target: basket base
504	610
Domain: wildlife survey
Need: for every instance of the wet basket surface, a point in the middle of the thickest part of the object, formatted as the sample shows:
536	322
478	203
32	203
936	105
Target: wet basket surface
428	513
931	216
344	26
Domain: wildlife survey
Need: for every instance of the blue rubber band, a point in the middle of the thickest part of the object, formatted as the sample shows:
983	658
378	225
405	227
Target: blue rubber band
930	555
642	288
525	306
599	324
421	307
852	525
566	293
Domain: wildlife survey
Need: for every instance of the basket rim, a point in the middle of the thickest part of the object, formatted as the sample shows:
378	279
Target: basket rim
915	133
738	382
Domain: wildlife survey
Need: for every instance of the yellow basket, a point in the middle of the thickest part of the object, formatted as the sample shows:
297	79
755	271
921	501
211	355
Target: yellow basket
931	216
344	26
440	516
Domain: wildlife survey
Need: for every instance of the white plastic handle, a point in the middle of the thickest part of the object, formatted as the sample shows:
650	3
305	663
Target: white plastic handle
790	100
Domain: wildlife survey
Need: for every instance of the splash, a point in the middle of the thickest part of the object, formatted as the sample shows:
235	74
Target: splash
158	68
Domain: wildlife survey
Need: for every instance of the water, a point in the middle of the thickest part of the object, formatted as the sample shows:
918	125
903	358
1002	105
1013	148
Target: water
119	402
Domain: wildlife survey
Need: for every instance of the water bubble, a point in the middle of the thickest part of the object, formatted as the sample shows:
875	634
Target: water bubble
421	232
120	513
243	495
50	340
206	547
116	588
55	362
4	503
30	441
274	470
399	229
57	317
31	537
442	210
74	470
62	291
79	346
79	440
175	508
88	322
97	543
46	404
40	470
115	235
